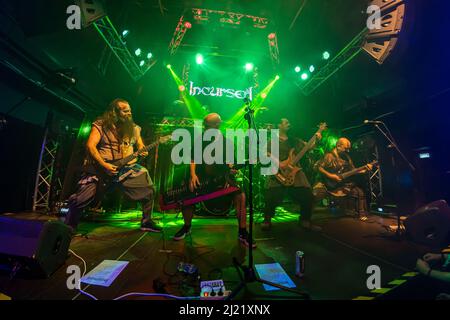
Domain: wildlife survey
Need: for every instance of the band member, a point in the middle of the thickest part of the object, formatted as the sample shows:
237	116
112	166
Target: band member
300	192
339	161
113	136
198	171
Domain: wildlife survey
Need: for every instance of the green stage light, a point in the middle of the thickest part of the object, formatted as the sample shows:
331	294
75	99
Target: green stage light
277	77
326	55
249	66
297	69
149	55
304	76
199	58
169	66
138	52
125	33
142	63
312	68
85	130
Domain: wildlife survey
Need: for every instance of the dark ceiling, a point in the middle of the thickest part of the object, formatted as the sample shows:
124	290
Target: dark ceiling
302	35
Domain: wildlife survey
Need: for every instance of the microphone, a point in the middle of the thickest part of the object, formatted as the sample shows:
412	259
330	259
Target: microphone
372	122
66	77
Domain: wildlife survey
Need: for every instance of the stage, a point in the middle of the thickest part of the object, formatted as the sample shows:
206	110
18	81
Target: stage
336	258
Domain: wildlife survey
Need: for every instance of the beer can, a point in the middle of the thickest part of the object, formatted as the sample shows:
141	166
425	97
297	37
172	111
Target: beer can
300	264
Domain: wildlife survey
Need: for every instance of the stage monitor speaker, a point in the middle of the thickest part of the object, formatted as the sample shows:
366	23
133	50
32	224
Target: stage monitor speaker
430	224
38	248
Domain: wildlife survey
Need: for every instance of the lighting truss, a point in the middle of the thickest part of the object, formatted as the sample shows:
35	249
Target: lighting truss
337	63
109	34
273	48
376	180
233	18
178	36
44	176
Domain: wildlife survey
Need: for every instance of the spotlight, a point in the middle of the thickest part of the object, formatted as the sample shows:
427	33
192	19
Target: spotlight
125	33
263	95
149	55
297	69
312	68
249	66
138	52
169	66
271	36
188	25
142	63
181	88
326	55
304	76
277	77
199	58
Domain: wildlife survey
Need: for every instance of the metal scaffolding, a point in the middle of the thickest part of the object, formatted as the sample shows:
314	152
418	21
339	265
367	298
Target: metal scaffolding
109	34
376	180
44	175
340	60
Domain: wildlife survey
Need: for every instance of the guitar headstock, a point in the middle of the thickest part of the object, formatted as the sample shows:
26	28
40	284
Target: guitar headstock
322	127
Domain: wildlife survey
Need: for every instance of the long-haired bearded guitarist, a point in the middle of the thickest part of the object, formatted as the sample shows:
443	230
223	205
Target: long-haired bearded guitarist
113	136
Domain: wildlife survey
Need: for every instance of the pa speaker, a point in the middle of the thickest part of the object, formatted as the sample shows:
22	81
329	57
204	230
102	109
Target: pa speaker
37	247
430	224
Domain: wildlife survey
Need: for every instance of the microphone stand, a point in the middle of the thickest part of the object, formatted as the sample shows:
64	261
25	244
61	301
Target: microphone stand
249	271
387	134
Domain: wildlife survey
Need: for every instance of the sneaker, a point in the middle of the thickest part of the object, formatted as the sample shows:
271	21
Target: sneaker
244	237
182	233
266	225
150	226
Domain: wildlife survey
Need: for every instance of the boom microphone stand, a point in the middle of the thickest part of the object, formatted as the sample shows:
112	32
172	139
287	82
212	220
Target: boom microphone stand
393	144
249	271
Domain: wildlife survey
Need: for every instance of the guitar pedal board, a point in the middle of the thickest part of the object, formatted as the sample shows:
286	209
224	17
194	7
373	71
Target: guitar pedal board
213	290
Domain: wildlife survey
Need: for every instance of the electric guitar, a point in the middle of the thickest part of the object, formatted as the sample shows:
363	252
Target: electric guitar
122	170
286	175
338	188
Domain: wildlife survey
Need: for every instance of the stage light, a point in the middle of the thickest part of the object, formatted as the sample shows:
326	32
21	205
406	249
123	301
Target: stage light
271	36
188	25
85	130
312	68
304	76
181	88
263	95
138	52
326	55
199	58
142	63
277	77
149	55
125	33
297	69
169	66
249	66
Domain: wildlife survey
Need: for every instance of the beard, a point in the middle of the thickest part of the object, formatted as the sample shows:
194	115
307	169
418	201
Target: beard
125	128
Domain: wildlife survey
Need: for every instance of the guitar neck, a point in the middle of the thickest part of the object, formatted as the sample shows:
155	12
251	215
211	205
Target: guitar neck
304	150
134	155
352	172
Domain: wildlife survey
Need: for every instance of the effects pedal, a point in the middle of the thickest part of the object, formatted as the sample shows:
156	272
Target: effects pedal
213	290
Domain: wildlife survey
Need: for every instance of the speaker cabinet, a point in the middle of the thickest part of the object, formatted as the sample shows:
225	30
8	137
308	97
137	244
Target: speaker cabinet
430	224
37	247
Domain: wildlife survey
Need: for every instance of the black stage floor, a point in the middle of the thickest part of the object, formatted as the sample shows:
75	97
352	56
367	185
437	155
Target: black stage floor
336	258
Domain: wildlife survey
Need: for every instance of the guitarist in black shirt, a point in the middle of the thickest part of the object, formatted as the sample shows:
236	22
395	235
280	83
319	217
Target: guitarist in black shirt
114	136
332	167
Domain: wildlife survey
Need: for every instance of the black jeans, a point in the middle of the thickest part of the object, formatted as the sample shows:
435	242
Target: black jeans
301	195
